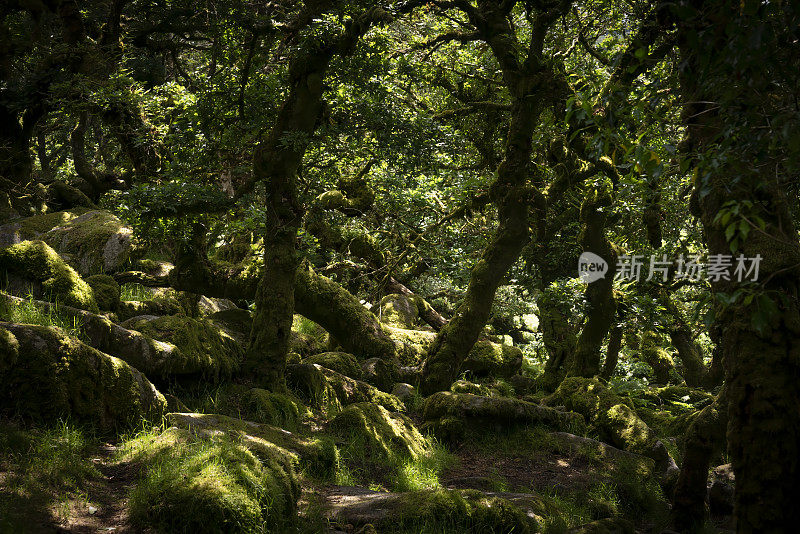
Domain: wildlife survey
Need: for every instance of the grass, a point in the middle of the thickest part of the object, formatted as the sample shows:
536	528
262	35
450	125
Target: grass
29	312
134	292
46	469
358	467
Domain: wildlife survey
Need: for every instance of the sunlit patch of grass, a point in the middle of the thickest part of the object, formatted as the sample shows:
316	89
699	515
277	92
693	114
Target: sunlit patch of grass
357	466
423	472
45	469
27	311
134	292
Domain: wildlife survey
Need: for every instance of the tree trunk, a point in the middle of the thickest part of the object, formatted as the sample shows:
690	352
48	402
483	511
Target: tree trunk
760	340
276	165
457	338
612	354
704	437
600	293
530	84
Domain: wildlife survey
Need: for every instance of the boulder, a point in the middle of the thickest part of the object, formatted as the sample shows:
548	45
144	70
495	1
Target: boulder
386	437
449	510
447	413
95	241
211	483
46	374
162	301
329	391
35	268
206	349
613	418
403	391
317	454
380	373
341	362
398	310
106	291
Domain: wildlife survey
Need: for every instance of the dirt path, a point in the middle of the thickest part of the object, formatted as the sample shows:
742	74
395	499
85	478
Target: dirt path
107	507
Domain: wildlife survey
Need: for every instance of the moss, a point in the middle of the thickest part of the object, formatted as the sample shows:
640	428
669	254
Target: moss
493	359
485	358
610	415
398	310
106	291
329	390
206	349
317	454
9	350
214	484
58	376
443	510
97	240
276	409
162	301
608	525
33	227
654	355
37	262
465	386
387	436
341	362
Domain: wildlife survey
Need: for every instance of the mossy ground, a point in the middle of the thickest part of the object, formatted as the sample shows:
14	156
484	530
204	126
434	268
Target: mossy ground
226	477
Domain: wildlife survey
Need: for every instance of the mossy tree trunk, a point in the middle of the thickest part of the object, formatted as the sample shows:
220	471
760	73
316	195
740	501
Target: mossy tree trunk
760	340
612	353
276	164
600	293
315	296
529	82
704	437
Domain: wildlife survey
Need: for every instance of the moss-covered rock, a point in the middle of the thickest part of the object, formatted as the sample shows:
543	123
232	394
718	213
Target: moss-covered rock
484	359
259	405
211	484
493	359
317	454
609	525
162	301
397	310
236	322
465	386
106	291
386	436
328	390
205	348
612	417
49	375
380	373
447	409
96	240
438	510
31	228
34	267
341	362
